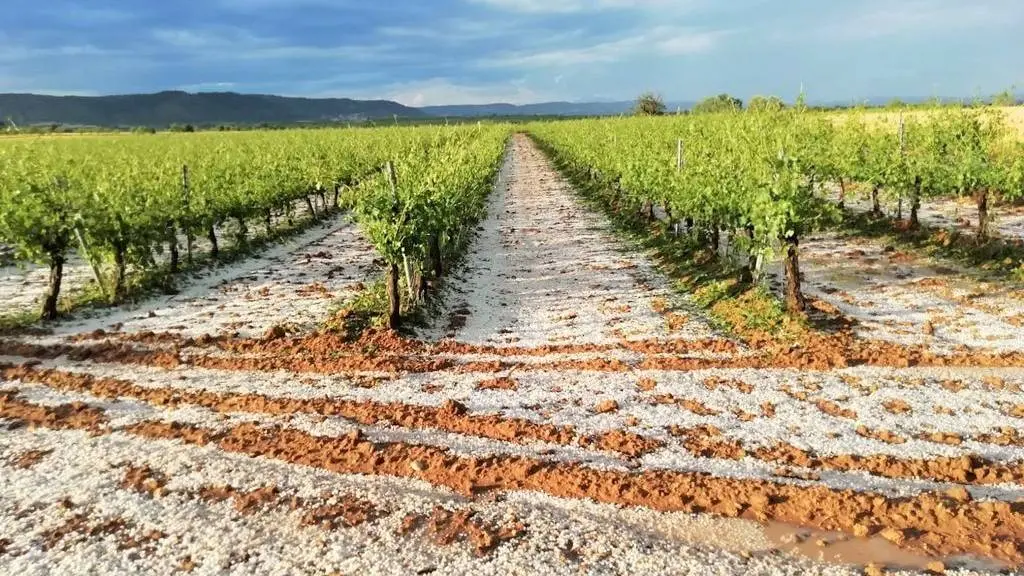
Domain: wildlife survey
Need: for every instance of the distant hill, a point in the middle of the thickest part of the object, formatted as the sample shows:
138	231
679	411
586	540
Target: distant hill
543	109
212	108
165	108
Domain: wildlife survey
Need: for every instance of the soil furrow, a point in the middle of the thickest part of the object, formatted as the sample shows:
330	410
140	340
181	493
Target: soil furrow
948	523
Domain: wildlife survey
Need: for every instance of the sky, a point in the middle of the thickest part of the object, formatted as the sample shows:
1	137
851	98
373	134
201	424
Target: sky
431	52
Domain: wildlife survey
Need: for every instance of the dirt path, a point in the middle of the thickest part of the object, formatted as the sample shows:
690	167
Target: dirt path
544	271
506	441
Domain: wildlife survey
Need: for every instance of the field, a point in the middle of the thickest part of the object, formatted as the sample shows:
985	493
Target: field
577	379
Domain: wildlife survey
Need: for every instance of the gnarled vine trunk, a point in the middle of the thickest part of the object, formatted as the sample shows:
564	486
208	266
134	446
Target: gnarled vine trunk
214	249
394	297
795	302
435	256
120	268
49	311
876	206
747	272
309	205
981	197
243	234
323	199
842	194
172	246
915	204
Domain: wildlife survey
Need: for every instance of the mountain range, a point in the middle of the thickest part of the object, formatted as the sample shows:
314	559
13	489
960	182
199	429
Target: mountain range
165	108
211	108
206	108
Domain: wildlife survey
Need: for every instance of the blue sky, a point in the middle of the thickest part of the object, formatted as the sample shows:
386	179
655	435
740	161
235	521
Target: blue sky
426	52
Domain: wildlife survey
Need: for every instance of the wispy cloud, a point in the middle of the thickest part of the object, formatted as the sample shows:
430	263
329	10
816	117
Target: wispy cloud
237	44
662	40
83	15
439	91
915	17
448	51
571	6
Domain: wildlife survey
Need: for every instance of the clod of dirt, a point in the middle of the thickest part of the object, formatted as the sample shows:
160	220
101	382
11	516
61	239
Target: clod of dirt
959	493
350	512
894	535
145	480
714	383
249	502
883	435
501	383
873	569
646	384
452	408
187	564
29	458
896	406
606	406
627	443
275	332
79	528
447	527
936	567
833	409
409	523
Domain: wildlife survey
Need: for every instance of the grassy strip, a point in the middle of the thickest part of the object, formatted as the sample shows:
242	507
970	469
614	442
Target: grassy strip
749	311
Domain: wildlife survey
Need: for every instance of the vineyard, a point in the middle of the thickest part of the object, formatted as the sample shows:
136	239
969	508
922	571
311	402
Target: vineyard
754	343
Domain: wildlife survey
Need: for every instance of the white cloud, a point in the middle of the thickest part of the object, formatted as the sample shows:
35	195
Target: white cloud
441	91
208	87
662	40
236	44
920	16
87	15
571	6
11	53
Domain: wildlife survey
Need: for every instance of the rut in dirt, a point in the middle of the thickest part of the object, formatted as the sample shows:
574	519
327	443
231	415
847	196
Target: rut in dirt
544	270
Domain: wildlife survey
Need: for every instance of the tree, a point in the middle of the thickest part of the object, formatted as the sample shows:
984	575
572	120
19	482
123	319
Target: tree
1004	98
719	103
765	104
649	104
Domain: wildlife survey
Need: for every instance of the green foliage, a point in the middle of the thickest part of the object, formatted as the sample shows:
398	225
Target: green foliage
437	188
649	104
719	103
123	196
1005	98
765	104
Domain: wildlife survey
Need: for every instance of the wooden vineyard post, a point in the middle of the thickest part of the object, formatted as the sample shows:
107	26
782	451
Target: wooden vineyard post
899	201
679	168
92	263
394	297
186	193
